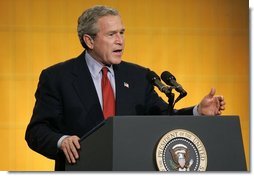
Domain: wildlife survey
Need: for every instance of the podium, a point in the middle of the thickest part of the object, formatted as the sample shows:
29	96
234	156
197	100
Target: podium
135	143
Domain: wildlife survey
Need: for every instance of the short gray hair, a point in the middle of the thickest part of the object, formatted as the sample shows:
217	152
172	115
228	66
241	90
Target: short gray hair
87	22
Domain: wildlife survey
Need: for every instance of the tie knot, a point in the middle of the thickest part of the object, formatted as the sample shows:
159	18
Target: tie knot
104	70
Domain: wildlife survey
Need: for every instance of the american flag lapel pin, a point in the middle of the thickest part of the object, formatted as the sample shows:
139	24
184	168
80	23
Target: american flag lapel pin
125	84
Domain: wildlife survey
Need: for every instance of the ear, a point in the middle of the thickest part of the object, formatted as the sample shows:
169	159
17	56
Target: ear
89	41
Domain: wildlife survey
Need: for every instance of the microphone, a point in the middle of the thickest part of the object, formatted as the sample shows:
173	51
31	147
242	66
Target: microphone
169	79
156	81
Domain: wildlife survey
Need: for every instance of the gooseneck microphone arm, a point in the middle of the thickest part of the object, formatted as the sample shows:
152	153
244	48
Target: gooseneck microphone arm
155	80
169	79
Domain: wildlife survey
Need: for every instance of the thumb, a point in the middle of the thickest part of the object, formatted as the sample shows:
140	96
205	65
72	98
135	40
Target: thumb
212	93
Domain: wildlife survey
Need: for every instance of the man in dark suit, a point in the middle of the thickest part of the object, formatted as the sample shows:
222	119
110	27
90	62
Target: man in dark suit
70	99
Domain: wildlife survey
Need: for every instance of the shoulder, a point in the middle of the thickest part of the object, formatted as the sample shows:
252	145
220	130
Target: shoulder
56	74
66	67
63	71
61	66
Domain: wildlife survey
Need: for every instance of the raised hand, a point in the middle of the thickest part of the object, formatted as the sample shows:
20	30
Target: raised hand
211	105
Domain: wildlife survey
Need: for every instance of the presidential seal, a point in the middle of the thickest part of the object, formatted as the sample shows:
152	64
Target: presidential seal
181	150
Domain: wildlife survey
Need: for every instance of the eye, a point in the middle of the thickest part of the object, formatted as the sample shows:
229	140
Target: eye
111	34
122	32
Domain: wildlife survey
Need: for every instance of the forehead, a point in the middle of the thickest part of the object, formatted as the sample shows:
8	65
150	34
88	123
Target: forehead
110	22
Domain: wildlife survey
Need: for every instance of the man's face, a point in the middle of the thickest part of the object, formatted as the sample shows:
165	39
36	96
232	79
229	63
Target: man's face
108	44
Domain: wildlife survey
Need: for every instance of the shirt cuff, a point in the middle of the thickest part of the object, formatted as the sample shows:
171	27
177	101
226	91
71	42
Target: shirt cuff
59	142
195	111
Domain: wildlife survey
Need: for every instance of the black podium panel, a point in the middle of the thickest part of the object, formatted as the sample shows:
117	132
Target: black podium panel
128	143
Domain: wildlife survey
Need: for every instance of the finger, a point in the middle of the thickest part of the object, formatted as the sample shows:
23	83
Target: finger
76	142
222	103
66	155
222	107
212	93
71	156
76	146
74	150
64	147
220	98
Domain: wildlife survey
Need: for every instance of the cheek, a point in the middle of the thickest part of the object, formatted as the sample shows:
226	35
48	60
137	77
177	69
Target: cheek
102	50
106	48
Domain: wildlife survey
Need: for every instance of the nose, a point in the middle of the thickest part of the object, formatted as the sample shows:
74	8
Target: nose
119	39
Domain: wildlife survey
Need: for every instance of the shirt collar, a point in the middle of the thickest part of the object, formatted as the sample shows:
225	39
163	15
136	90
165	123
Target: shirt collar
95	67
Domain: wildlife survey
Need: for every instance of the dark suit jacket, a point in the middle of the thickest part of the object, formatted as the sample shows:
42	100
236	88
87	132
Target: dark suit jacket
67	103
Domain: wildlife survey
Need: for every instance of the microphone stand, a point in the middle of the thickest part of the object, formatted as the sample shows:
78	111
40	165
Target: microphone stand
171	99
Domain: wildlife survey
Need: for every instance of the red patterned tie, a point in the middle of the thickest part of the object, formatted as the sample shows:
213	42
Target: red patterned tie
107	95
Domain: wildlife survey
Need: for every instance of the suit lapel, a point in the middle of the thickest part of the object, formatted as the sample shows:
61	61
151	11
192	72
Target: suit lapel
83	84
123	89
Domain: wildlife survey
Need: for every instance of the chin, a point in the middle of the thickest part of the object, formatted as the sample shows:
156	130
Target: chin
116	61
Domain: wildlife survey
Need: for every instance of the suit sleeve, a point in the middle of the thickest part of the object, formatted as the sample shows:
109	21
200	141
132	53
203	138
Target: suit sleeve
42	132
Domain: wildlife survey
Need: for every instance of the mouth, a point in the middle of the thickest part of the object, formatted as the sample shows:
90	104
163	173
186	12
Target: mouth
118	51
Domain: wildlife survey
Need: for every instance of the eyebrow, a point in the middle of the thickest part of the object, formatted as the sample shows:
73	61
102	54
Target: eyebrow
116	31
